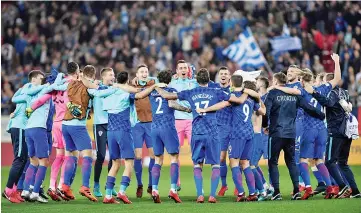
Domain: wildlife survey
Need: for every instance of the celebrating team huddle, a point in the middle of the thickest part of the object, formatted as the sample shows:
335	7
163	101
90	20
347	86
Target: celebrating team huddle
242	116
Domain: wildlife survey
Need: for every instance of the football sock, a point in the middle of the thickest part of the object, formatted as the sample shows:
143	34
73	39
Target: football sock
40	176
124	184
317	174
178	181
224	173
20	183
250	180
74	171
237	179
305	174
109	187
325	175
260	172
138	171
61	180
174	175
155	176
258	179
86	170
29	176
151	164
334	171
198	179
55	167
69	170
215	180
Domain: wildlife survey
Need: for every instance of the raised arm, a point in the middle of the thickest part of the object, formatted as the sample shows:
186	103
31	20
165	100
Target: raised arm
35	89
215	107
165	94
337	75
173	104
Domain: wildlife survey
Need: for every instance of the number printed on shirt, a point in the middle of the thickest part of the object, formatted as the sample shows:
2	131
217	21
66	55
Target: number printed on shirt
159	110
204	103
246	111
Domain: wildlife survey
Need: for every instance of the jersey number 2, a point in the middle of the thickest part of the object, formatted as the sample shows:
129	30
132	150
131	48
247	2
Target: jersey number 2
159	110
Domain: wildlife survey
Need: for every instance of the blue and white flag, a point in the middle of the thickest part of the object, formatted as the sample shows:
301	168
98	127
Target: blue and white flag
285	42
245	51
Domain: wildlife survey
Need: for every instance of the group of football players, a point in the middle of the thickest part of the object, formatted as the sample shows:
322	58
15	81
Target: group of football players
242	116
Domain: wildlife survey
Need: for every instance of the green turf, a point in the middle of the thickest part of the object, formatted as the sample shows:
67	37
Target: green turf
188	196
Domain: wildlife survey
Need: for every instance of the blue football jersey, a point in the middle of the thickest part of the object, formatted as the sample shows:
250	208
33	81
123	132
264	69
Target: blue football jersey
224	116
162	114
203	97
308	120
242	117
297	85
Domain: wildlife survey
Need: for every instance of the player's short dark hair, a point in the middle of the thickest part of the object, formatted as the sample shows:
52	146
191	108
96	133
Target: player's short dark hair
34	74
237	80
122	77
141	66
307	76
165	76
89	71
281	78
250	85
264	80
223	68
72	68
180	62
329	76
106	69
203	76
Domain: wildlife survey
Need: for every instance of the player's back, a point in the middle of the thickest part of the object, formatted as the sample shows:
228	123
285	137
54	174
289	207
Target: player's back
40	116
60	105
242	115
203	97
281	111
308	120
297	85
162	114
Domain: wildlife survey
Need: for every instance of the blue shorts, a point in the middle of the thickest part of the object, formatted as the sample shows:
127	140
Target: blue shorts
76	138
265	145
298	139
37	142
142	132
120	144
240	148
50	141
205	149
314	143
224	136
257	150
166	137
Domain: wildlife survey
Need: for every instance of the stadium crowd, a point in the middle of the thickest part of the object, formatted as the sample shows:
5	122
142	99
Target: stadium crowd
124	34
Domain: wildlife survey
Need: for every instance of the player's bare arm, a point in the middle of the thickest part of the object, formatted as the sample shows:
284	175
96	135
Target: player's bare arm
165	94
173	104
127	88
337	75
215	107
238	100
88	84
262	109
253	94
145	92
291	91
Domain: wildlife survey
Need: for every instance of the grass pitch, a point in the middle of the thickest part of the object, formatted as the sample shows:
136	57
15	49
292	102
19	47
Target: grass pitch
188	195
